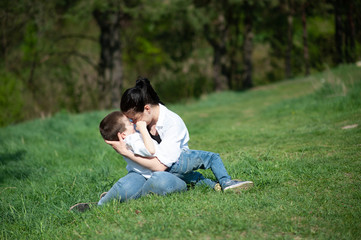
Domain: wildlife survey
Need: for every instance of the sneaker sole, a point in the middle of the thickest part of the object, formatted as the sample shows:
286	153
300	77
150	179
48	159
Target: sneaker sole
82	207
241	186
102	195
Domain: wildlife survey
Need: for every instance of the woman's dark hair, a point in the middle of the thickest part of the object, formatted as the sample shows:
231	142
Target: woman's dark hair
137	97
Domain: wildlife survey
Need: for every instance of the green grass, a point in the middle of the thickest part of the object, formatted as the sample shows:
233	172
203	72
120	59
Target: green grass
287	137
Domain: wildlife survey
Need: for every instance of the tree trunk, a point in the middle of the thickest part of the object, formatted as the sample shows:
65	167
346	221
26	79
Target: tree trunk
350	34
288	58
232	69
110	66
4	41
216	36
338	31
306	56
247	49
220	79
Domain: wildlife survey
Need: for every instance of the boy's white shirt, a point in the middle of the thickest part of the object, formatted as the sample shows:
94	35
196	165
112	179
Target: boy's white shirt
135	144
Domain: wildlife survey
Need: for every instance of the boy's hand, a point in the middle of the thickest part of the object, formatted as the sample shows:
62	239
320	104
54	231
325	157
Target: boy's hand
118	146
141	125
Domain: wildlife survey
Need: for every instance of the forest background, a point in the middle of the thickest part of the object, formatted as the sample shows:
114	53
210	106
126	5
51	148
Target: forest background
80	55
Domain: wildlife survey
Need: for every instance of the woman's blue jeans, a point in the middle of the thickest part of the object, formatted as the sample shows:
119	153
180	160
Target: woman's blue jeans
134	185
191	160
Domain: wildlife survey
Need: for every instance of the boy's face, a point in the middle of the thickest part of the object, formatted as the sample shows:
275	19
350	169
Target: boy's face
129	127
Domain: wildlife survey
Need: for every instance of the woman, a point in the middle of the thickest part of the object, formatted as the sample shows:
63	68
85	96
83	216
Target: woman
173	159
161	182
141	103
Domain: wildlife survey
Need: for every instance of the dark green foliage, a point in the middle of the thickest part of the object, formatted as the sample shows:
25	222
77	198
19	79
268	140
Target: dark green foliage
181	86
11	99
51	49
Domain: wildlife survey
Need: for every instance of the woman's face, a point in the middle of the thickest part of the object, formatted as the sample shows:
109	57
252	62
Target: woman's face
145	116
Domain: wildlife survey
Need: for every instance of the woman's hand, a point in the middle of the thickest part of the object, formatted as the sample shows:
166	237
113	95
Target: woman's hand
119	146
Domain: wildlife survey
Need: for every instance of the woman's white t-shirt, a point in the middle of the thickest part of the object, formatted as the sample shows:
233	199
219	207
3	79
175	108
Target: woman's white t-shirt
174	136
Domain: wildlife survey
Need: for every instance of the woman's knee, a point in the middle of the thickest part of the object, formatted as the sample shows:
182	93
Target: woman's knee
163	183
126	188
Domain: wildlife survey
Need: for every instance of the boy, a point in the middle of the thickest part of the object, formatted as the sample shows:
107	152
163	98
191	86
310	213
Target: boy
114	126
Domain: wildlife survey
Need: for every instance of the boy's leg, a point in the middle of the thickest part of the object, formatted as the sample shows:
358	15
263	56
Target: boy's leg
128	187
190	160
163	183
197	179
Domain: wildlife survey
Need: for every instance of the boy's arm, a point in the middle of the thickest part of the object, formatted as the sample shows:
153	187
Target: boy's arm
141	126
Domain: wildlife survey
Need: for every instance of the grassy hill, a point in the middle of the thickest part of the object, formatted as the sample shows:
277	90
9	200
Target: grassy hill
299	141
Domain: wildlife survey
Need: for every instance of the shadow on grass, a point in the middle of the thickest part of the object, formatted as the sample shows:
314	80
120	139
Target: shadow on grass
10	167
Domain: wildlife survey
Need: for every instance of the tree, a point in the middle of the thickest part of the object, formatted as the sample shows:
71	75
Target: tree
112	17
110	65
222	30
279	28
306	55
289	10
247	46
345	32
214	26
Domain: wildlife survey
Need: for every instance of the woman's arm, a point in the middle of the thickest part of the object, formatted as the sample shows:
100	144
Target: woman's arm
147	139
151	163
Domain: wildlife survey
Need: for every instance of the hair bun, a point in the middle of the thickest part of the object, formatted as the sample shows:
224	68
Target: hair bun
142	82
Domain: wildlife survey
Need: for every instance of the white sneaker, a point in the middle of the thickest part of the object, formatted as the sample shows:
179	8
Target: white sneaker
237	185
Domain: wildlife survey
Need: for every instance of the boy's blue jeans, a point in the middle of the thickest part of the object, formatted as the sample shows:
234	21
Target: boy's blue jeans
134	185
191	160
